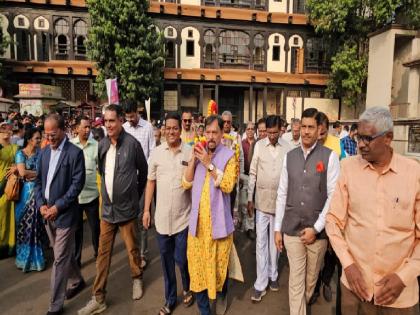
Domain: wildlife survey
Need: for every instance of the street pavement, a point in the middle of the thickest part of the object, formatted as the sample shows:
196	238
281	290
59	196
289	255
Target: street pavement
28	293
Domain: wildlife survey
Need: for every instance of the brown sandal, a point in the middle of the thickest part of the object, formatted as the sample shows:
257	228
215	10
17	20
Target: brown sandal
188	298
165	310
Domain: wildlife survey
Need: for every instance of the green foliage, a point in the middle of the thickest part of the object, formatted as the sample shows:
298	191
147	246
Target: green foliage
345	25
4	42
126	45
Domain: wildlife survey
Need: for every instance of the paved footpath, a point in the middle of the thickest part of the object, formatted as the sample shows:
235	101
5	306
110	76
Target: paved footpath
28	293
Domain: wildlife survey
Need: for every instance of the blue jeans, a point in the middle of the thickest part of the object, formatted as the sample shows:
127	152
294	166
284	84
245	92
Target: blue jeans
173	249
203	301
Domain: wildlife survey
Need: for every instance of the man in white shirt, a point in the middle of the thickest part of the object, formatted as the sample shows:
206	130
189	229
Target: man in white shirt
264	175
307	181
293	137
142	130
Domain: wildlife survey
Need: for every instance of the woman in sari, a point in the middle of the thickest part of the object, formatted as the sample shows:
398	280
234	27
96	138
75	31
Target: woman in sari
30	230
7	214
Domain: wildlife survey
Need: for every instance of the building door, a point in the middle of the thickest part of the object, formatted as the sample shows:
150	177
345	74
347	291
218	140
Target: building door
232	99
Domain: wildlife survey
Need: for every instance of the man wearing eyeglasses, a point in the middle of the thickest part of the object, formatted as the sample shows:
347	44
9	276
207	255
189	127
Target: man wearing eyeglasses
374	223
187	134
59	181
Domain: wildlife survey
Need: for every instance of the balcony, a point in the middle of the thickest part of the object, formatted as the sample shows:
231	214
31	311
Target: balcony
244	4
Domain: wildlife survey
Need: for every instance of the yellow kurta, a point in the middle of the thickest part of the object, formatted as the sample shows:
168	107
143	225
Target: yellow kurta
208	259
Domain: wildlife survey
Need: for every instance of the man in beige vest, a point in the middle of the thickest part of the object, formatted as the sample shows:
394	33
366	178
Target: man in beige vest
264	173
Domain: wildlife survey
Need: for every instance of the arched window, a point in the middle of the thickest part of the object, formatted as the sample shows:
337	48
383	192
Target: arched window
209	49
234	49
258	50
80	33
61	29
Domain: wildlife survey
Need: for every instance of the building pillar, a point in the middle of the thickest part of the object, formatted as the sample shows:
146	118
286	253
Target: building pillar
251	101
178	95
200	99
265	101
216	94
72	91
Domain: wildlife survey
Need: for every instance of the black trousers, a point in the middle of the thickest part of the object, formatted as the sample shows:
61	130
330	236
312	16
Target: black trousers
92	213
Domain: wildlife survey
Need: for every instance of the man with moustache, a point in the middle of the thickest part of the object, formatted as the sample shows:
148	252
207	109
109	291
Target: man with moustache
264	178
212	174
123	169
307	181
166	167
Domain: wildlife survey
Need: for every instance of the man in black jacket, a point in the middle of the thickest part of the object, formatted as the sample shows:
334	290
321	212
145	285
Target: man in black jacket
123	170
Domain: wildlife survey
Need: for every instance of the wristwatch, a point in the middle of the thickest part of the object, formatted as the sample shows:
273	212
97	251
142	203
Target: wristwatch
210	168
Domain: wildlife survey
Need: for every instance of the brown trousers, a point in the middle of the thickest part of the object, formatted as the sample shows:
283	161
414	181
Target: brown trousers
351	305
128	232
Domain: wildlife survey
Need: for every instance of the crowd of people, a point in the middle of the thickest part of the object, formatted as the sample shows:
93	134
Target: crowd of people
328	198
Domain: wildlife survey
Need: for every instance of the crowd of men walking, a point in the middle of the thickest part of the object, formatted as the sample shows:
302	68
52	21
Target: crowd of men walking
288	190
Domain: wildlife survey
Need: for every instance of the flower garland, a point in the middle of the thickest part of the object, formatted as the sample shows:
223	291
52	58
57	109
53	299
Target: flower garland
234	139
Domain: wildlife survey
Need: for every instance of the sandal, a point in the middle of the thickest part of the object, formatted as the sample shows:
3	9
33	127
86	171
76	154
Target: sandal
188	298
165	310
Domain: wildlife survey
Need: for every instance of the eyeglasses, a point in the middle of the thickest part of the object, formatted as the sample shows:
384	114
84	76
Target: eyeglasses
368	139
187	121
227	122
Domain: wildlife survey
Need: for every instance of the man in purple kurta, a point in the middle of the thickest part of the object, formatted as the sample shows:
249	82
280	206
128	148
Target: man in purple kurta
212	174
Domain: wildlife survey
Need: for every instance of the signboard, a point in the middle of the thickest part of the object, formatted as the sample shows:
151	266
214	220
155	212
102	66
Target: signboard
40	90
36	107
170	101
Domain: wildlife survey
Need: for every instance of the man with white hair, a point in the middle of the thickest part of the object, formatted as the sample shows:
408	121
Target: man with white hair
374	223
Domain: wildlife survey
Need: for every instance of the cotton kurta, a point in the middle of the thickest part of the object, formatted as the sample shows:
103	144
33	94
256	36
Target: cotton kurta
208	259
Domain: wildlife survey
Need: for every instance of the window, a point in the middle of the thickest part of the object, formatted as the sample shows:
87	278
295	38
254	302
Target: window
190	48
62	44
190	33
209	53
234	48
276	39
170	32
209	40
170	54
21	21
43	48
61	26
259	49
276	53
22	38
41	23
295	40
80	45
414	139
80	33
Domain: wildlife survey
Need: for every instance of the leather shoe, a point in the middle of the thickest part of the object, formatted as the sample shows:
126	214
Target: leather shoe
72	292
55	313
251	235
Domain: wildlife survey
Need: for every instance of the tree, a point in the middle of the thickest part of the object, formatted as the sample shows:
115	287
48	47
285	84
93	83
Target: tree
4	42
345	25
125	44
